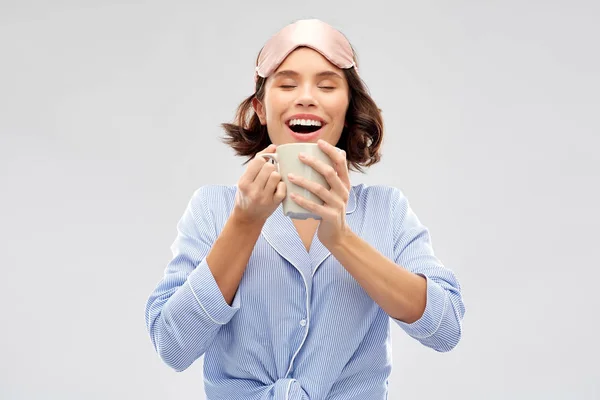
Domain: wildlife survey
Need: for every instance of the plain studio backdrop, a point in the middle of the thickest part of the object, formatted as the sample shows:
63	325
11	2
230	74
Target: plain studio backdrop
109	120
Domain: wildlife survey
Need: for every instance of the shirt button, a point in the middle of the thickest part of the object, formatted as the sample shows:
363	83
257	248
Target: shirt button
303	322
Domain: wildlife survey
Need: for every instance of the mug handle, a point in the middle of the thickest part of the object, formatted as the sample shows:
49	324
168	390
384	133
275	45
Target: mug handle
272	157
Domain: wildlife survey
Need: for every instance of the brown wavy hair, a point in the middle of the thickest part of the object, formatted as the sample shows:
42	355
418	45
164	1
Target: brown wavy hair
361	136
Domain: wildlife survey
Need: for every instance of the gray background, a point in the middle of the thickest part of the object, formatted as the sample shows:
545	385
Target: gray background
109	120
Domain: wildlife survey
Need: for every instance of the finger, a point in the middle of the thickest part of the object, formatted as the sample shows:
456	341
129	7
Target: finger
263	176
280	192
335	153
269	149
309	205
328	172
252	170
341	167
317	189
340	162
255	165
272	182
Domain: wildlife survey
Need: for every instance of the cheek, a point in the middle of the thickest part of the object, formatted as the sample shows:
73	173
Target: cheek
338	108
275	107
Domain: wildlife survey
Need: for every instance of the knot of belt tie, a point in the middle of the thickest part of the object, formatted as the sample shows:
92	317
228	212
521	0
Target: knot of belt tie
288	389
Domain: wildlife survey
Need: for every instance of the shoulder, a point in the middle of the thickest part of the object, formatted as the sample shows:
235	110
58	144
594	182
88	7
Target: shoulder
214	193
215	198
379	197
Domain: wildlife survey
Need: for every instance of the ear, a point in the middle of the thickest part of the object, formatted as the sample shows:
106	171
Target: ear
259	109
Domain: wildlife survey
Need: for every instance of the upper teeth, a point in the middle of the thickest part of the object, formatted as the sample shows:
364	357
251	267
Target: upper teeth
307	122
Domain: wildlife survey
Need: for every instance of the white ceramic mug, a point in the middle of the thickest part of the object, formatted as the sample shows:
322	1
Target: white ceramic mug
286	158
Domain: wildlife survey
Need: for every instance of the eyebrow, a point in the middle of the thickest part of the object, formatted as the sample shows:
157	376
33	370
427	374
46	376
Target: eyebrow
287	72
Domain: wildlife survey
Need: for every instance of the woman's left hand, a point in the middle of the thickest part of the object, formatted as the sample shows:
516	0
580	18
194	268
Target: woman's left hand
333	226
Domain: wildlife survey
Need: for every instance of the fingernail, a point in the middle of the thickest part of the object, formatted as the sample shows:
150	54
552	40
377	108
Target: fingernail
302	155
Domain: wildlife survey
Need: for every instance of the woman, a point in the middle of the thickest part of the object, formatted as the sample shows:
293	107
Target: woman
301	309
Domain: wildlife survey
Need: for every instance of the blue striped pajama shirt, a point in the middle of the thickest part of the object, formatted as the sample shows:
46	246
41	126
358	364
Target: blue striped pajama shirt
300	326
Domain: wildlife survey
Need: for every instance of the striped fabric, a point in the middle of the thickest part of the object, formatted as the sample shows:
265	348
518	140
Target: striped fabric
300	326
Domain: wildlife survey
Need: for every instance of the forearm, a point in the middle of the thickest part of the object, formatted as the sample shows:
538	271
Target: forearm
399	292
230	253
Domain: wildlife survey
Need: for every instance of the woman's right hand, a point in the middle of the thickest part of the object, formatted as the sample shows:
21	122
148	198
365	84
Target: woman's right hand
260	190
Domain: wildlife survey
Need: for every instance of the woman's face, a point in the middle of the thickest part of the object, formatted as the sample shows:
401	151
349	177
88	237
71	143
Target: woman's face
306	99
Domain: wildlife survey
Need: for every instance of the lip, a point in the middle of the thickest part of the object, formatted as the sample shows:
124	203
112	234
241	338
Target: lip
305	137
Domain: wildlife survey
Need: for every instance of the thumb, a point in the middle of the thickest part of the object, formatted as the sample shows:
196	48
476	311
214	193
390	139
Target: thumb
270	148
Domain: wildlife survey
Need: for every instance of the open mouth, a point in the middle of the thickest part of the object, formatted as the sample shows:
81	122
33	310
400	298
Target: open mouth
304	126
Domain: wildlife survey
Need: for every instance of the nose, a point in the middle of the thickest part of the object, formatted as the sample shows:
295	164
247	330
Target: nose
306	97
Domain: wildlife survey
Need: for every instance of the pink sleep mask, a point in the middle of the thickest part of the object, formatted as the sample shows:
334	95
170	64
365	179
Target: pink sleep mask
313	33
